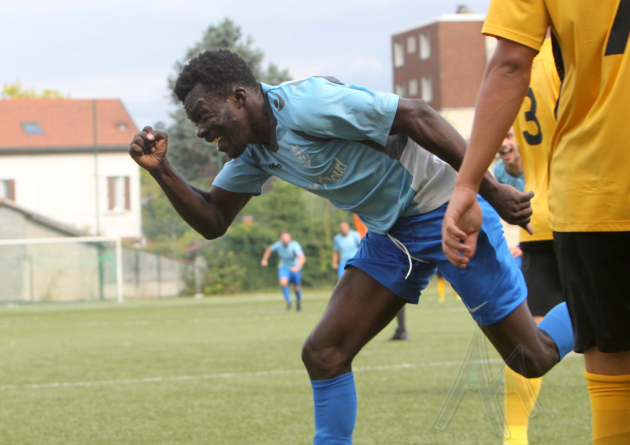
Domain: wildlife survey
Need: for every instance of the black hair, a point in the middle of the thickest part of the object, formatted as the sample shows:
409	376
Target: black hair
218	71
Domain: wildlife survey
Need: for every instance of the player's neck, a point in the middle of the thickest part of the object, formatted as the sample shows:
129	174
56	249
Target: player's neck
259	120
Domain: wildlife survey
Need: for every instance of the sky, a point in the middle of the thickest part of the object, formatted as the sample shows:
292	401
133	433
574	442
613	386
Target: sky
127	48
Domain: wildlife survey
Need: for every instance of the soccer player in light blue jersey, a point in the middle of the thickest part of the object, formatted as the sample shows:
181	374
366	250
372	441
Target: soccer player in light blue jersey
292	260
345	244
389	160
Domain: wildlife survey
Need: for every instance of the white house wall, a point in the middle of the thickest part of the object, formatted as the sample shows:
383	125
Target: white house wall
61	186
461	119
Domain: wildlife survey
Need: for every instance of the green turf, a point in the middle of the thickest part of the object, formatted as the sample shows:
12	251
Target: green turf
226	348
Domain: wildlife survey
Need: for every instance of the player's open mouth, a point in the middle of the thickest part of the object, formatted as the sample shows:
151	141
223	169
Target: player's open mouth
216	141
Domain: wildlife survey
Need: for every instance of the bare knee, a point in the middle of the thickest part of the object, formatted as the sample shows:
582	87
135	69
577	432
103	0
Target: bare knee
526	349
324	362
530	366
534	362
284	282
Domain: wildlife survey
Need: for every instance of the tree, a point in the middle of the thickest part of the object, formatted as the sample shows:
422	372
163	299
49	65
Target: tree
16	91
191	156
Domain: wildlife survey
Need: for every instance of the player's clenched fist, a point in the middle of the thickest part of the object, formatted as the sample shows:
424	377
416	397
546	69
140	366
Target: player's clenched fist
148	148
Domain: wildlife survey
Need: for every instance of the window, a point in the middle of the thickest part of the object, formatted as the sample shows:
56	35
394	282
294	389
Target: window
7	189
411	44
425	46
118	193
413	87
427	89
31	128
399	54
399	90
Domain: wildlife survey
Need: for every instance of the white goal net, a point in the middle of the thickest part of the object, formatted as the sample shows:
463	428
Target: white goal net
61	269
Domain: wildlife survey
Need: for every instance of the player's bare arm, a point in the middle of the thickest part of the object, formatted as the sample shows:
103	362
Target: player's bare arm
301	259
335	260
502	91
426	127
209	213
265	259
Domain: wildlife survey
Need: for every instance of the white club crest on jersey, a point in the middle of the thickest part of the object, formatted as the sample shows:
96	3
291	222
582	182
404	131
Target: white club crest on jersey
300	156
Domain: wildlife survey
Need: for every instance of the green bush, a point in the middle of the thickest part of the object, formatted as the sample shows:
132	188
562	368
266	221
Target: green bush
234	260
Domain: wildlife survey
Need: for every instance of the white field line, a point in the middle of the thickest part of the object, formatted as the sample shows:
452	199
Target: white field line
228	375
104	324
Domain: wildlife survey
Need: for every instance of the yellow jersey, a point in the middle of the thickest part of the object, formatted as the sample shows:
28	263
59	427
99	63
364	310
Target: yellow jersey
534	128
589	177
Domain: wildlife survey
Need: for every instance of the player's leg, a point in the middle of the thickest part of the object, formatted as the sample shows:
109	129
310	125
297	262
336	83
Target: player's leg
494	291
594	272
401	330
283	278
540	270
377	283
360	307
526	348
441	287
296	279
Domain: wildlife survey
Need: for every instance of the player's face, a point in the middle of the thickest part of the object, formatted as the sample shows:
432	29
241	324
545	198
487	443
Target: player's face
509	148
285	238
220	120
344	228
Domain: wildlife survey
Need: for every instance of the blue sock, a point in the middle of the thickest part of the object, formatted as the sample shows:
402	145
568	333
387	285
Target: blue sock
298	295
335	410
557	324
287	295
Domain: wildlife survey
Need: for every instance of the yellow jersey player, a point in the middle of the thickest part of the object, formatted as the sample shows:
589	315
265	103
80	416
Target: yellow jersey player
589	182
533	129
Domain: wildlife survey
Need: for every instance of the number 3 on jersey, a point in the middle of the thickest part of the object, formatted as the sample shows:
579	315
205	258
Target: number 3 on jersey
530	116
620	30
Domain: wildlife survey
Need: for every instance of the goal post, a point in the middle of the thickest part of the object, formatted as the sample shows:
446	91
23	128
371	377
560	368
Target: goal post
33	260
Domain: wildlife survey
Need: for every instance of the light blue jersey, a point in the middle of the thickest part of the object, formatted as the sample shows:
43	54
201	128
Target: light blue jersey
288	254
347	245
333	140
502	175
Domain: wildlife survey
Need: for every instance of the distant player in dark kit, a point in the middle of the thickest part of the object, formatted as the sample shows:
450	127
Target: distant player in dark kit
292	260
389	160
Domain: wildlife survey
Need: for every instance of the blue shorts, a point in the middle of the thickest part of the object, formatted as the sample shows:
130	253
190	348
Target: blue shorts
295	278
492	286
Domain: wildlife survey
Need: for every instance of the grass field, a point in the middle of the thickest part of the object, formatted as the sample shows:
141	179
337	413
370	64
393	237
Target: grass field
228	371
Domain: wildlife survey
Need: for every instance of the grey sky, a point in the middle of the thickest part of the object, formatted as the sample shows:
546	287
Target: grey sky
126	49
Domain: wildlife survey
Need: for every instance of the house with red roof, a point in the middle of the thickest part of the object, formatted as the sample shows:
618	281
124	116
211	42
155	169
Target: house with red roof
68	159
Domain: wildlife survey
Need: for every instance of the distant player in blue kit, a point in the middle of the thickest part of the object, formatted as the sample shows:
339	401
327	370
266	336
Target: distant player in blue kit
292	260
345	244
389	160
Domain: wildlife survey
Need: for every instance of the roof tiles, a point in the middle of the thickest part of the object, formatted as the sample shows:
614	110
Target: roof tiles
64	123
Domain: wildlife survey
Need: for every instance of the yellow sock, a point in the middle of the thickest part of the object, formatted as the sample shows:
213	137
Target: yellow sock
441	285
520	401
610	402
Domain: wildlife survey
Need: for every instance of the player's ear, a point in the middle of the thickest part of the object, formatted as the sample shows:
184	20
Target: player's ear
240	95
